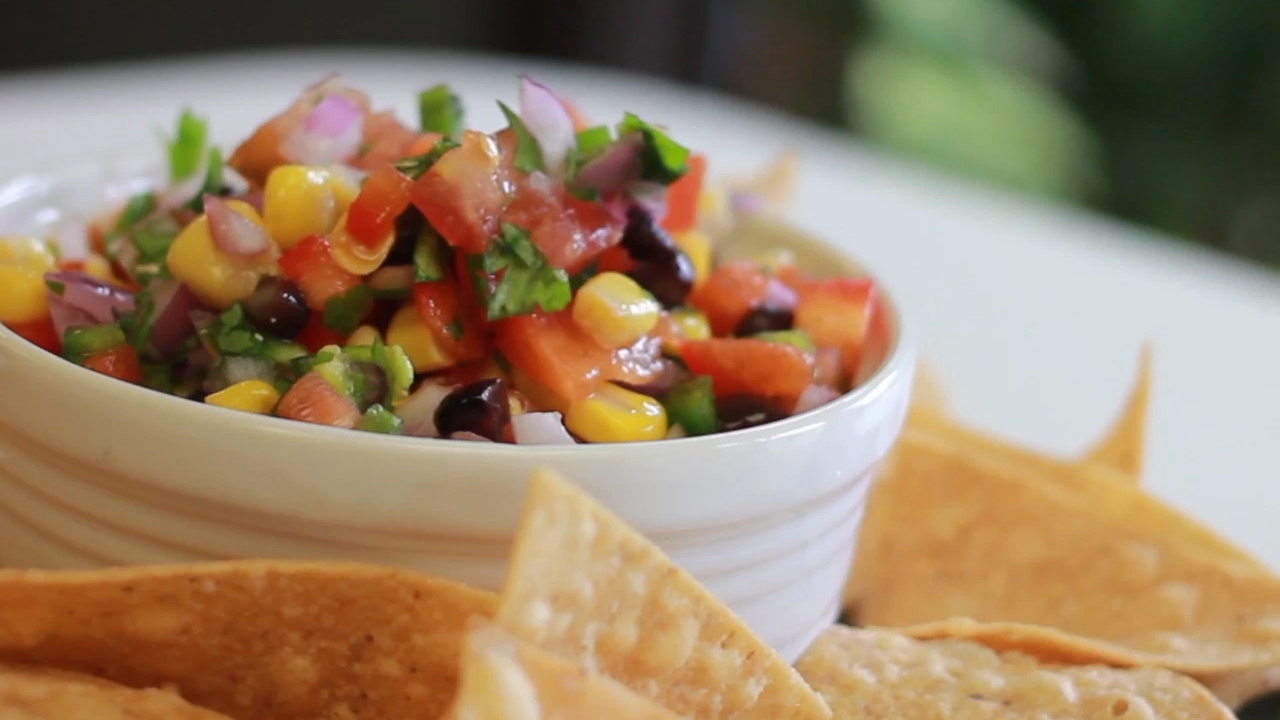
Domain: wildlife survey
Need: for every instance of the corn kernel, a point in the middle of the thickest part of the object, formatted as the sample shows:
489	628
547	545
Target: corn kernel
253	396
218	278
23	263
364	335
698	247
690	324
99	267
775	259
298	201
412	334
615	310
615	414
353	256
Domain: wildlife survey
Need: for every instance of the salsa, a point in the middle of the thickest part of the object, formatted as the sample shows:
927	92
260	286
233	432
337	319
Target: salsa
552	282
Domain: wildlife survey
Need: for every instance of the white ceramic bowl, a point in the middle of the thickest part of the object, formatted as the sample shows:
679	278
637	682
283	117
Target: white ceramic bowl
96	472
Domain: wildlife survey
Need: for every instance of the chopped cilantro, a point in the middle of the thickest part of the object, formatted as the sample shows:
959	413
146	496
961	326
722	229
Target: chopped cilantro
528	151
416	166
152	239
158	376
58	288
137	322
526	282
187	147
343	313
428	256
440	110
231	334
663	160
593	141
580	278
138	207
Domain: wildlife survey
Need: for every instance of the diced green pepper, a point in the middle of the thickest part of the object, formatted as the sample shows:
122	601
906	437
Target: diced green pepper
395	363
378	419
796	338
81	343
692	404
344	313
428	256
332	366
283	351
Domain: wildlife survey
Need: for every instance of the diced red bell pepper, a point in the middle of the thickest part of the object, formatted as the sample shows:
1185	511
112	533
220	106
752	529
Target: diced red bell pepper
745	366
119	362
837	313
734	290
453	319
464	193
683	197
555	352
316	334
312	399
372	216
310	264
40	332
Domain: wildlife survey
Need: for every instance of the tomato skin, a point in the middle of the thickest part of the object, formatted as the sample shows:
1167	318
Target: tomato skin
372	216
683	196
310	264
464	193
452	318
616	259
40	332
744	366
119	362
838	313
555	352
734	290
317	335
312	399
570	232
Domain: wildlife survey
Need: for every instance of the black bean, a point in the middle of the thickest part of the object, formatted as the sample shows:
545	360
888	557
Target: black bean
664	269
737	412
370	382
277	307
766	318
408	225
482	408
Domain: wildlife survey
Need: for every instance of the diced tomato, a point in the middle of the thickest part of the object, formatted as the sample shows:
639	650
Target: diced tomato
312	399
683	196
40	332
744	366
316	334
311	265
555	353
386	140
734	290
453	319
571	232
119	362
423	143
463	194
837	313
792	276
372	216
616	259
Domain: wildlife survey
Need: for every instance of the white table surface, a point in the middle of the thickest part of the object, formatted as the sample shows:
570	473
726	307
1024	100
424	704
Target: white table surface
1032	315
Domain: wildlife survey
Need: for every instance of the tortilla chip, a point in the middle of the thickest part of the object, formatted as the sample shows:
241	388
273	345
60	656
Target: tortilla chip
257	640
28	693
504	679
584	585
989	542
1239	688
874	674
1123	446
775	183
927	394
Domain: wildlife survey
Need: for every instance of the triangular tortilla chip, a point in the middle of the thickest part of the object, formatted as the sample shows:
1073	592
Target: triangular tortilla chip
584	585
880	675
1122	448
989	542
29	693
256	640
504	679
927	394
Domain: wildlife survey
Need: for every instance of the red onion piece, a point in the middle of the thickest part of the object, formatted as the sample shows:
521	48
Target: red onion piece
814	396
615	169
392	277
548	121
330	133
232	232
100	300
65	315
541	428
174	304
780	295
418	411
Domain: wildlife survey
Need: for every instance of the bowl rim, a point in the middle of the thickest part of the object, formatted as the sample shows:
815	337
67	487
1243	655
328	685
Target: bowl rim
894	368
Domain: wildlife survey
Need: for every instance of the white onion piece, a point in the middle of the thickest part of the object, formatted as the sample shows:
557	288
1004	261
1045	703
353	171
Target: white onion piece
330	133
239	368
814	396
419	409
101	301
180	193
349	175
615	169
652	197
548	121
232	232
540	428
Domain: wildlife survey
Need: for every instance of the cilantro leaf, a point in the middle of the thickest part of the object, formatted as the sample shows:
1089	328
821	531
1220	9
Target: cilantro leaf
662	160
416	166
137	322
231	334
187	147
440	110
593	141
343	313
528	151
514	278
428	256
56	287
138	207
152	239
